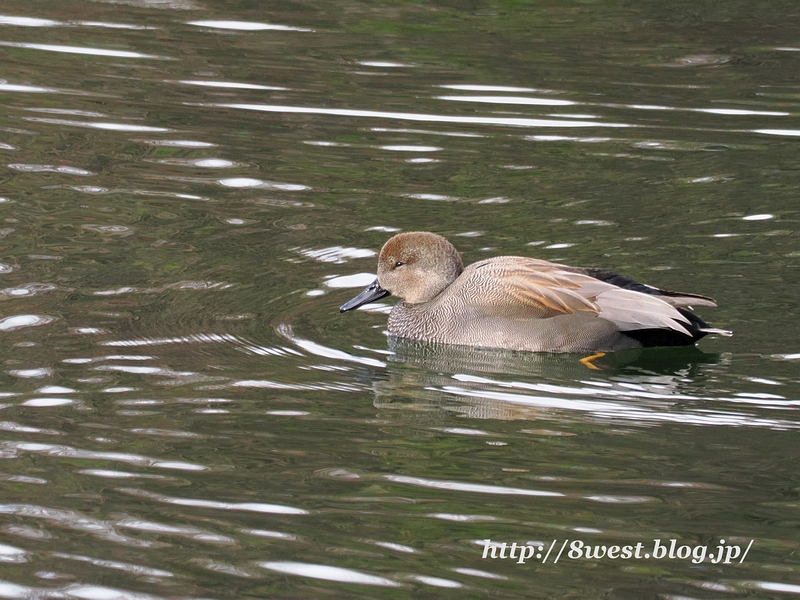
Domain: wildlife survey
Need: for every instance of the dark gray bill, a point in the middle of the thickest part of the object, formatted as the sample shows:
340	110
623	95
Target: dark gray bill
371	293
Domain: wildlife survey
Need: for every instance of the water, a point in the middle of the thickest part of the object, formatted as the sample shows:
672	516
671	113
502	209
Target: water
192	189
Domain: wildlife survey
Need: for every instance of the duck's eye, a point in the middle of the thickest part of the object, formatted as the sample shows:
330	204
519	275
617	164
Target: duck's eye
399	263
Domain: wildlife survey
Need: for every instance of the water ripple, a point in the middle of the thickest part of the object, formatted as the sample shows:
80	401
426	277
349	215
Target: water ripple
196	338
11	449
247	182
335	254
469	487
258	507
479	573
49	168
96	125
616	411
20	321
28	89
436	581
30	289
375	114
327	573
81	50
10	554
509	100
73	520
275	385
246	26
320	350
231	85
17	428
194	533
115	565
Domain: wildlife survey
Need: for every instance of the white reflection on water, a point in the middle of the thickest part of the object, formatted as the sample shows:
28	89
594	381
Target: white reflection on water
10	554
119	474
73	590
145	371
48	402
30	289
81	50
357	280
200	338
48	168
30	89
116	565
479	573
20	321
739	111
66	111
335	254
83	361
510	100
32	22
246	26
653	403
396	547
73	520
258	507
36	373
205	163
409	148
218	567
566	138
10	449
319	350
786	132
195	533
436	581
469	487
426	132
342	112
177	143
96	125
247	182
463	518
27	21
492	88
178	285
383	63
432	197
770	586
328	573
276	385
110	25
269	534
17	428
231	85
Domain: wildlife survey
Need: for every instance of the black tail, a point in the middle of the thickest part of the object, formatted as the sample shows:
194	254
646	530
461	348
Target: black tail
660	337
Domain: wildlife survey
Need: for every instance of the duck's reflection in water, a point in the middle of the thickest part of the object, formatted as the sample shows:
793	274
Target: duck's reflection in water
644	387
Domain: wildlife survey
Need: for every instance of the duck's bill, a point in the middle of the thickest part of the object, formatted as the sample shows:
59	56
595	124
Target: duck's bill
371	293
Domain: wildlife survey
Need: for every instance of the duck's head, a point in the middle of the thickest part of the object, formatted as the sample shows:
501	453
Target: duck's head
414	266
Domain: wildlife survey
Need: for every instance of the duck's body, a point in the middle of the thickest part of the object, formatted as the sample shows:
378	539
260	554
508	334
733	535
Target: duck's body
521	303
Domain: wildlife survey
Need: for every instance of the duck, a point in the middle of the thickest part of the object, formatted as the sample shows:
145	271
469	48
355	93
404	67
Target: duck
525	304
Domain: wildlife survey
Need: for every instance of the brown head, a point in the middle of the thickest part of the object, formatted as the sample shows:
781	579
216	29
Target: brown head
418	265
415	266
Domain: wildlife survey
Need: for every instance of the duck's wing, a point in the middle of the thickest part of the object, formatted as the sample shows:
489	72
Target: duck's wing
518	287
678	299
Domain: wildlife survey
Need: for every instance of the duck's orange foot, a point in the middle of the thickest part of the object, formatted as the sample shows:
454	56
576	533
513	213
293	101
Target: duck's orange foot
588	361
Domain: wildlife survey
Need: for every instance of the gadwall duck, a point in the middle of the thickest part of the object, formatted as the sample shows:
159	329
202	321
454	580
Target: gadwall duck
522	303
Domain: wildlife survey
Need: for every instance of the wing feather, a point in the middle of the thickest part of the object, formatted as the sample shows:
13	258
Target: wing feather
520	287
